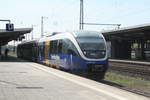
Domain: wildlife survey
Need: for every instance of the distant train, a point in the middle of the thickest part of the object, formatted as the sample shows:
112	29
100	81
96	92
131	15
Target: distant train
80	51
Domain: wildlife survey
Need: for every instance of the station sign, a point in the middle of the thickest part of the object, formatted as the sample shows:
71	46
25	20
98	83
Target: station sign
9	27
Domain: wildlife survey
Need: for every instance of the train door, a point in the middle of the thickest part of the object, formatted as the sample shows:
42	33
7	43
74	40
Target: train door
41	52
36	52
47	43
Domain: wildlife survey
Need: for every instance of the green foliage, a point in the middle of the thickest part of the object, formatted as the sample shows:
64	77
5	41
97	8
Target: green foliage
129	82
134	46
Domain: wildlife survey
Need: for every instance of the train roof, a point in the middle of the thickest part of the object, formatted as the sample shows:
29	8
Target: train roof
87	33
61	35
26	42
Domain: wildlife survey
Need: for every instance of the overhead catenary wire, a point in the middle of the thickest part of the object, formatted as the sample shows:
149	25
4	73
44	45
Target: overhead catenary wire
132	13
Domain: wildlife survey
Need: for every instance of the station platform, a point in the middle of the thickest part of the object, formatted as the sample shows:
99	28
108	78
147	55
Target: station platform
22	80
139	62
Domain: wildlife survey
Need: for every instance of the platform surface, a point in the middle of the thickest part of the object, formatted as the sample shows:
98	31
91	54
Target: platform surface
32	81
131	61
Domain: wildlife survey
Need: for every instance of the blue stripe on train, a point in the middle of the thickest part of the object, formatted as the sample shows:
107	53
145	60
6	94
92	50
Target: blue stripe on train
69	62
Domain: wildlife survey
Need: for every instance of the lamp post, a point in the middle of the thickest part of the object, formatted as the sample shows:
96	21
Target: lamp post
42	25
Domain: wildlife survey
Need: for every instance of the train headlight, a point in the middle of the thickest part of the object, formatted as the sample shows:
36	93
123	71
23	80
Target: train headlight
103	52
85	52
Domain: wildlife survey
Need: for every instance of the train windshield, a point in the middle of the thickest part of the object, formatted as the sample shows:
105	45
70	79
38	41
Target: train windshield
92	47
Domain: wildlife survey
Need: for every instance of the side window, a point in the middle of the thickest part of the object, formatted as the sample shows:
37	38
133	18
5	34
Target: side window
43	49
59	46
53	47
69	48
34	51
73	49
64	46
38	50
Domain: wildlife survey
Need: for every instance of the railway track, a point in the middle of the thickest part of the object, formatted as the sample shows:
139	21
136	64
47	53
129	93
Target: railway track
132	89
132	68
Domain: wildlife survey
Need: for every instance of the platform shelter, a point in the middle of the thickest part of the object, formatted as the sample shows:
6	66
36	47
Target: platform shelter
15	34
129	42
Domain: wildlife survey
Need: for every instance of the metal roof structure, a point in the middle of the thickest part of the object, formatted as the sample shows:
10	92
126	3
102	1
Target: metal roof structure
7	36
129	33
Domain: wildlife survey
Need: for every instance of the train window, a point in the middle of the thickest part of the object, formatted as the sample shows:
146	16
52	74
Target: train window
59	46
64	46
34	50
69	48
41	50
50	47
71	52
73	49
92	47
53	47
89	43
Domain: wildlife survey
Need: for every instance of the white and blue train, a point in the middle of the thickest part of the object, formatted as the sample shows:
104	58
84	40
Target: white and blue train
79	51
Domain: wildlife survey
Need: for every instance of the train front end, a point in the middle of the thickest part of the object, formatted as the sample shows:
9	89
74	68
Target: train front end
93	51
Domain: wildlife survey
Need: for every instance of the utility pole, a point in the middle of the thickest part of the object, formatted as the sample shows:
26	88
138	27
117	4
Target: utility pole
81	22
32	32
118	25
42	25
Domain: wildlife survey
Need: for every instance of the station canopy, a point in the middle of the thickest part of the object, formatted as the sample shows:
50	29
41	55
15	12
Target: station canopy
138	32
7	36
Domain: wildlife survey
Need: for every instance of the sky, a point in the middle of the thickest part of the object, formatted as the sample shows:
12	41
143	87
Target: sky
63	15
